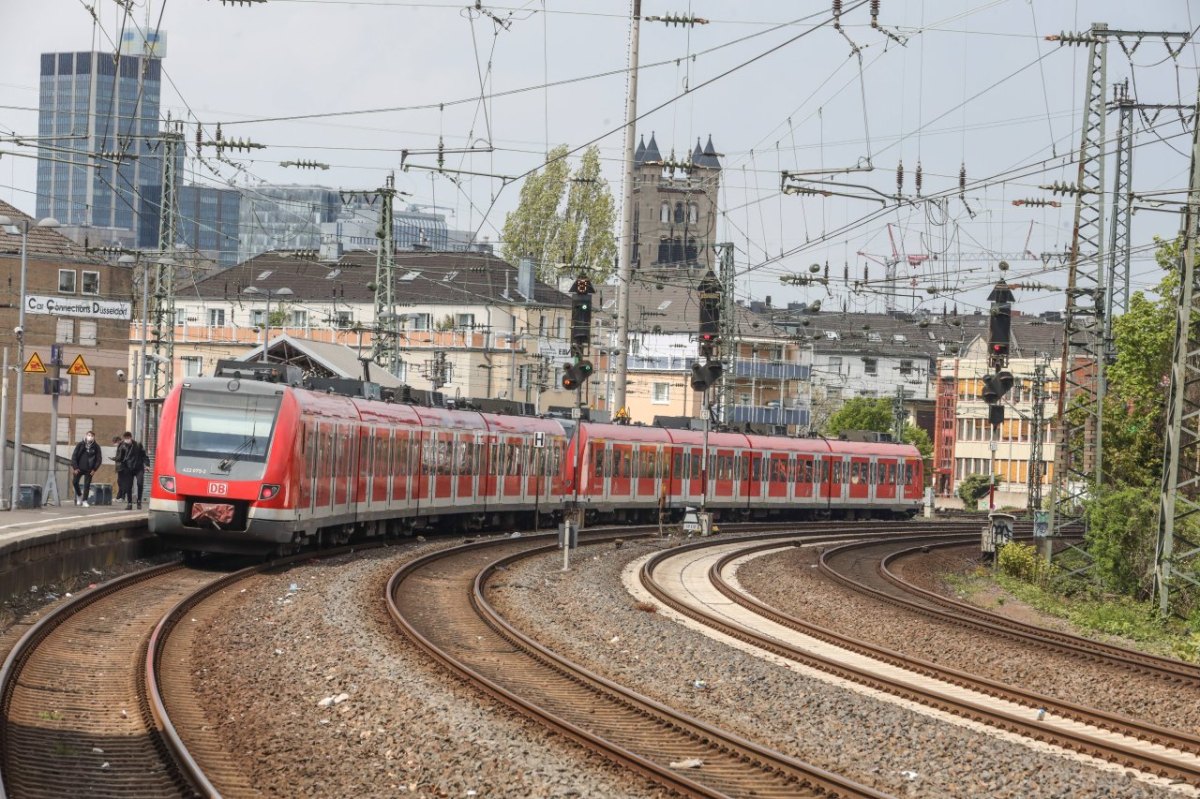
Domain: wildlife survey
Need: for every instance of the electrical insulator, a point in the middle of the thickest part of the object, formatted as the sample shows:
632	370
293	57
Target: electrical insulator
199	138
827	273
918	178
866	273
874	13
837	15
900	178
218	137
962	179
845	273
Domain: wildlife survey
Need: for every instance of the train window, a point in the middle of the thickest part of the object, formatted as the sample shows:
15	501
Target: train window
597	460
908	474
677	465
837	472
779	472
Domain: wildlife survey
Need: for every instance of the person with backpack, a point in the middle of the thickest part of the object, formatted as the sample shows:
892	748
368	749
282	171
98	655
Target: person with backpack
85	462
131	467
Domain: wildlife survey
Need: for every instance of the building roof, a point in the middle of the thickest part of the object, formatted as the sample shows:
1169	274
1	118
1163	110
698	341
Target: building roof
335	360
668	302
42	241
640	153
652	155
709	158
900	333
436	278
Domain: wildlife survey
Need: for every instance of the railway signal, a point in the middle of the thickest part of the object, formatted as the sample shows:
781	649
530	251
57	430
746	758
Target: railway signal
581	313
576	373
704	375
1000	323
996	385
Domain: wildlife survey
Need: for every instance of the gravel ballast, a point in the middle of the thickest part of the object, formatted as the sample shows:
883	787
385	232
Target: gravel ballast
790	581
393	721
588	615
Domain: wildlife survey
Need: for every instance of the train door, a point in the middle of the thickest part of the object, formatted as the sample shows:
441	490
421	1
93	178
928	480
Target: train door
313	466
885	484
803	492
776	477
620	474
361	479
858	484
600	462
488	458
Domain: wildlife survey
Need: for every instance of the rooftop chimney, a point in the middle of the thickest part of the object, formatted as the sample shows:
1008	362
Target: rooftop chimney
525	278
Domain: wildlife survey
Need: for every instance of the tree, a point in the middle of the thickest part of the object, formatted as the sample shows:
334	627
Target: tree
861	413
585	237
972	489
556	226
864	413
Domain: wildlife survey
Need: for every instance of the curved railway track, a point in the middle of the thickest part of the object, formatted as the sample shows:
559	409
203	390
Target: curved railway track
866	568
1128	742
440	602
85	699
76	713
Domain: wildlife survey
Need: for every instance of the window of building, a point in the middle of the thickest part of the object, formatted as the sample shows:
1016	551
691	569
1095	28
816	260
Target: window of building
559	327
664	213
258	317
299	317
193	365
82	425
90	284
464	320
660	393
418	321
693	213
66	281
86	384
65	331
906	367
679	213
87	333
64	430
522	377
344	320
871	366
216	317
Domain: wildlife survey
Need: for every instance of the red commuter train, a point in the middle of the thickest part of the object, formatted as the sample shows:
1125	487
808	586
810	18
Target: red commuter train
251	466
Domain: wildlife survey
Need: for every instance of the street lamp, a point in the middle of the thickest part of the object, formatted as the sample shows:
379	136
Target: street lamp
280	292
23	225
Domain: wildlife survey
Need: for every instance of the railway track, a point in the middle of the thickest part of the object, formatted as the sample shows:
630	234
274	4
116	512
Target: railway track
866	568
691	581
440	602
95	697
76	714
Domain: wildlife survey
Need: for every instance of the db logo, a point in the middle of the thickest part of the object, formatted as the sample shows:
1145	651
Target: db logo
218	489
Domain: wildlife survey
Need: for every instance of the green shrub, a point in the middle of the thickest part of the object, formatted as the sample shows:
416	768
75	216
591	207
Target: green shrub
972	489
1021	561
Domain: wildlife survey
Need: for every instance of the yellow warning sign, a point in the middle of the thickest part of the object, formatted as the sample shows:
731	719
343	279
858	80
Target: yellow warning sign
79	367
35	364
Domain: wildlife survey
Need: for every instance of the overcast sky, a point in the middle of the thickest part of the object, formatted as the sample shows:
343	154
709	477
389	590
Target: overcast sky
956	83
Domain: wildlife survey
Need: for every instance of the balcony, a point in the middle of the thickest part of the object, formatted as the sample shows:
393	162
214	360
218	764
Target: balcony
771	415
771	370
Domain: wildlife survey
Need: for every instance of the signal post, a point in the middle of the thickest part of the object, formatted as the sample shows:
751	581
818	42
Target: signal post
576	374
707	374
995	386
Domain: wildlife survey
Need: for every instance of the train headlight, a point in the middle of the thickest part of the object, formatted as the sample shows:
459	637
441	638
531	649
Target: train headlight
268	491
167	482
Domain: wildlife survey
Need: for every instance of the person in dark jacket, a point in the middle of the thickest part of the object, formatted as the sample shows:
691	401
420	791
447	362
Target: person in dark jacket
131	466
123	485
85	462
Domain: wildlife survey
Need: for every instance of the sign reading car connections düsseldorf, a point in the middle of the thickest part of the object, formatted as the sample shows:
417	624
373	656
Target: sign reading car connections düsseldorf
77	306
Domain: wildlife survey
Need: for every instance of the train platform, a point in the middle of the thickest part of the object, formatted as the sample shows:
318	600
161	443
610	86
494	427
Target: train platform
39	545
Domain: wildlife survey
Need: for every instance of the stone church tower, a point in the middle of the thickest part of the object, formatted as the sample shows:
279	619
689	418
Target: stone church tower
675	210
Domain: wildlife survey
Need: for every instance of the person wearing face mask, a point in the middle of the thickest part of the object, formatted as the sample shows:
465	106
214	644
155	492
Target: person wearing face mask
131	466
85	461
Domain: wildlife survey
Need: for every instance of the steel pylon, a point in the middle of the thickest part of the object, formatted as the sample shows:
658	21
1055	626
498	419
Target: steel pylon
161	369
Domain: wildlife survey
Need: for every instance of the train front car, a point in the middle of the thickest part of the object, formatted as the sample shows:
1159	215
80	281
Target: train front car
225	475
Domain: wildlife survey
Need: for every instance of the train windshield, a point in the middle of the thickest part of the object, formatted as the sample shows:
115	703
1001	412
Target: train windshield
226	425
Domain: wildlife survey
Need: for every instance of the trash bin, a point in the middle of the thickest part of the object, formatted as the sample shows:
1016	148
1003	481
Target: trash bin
30	496
101	494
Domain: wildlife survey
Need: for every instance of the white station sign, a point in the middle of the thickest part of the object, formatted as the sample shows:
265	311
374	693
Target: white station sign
77	306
